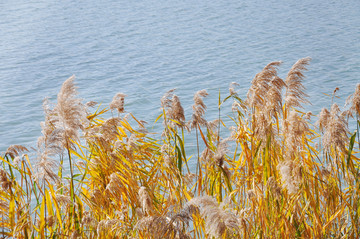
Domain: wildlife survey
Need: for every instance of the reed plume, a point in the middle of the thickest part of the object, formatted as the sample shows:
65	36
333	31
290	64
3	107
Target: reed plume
130	185
199	109
335	127
157	227
175	116
15	150
4	180
70	114
290	176
354	100
295	91
145	200
273	97
294	130
218	222
260	84
117	102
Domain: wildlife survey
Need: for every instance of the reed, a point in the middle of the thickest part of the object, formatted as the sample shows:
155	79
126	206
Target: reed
271	173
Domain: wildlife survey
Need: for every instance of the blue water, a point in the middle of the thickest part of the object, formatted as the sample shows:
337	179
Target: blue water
144	48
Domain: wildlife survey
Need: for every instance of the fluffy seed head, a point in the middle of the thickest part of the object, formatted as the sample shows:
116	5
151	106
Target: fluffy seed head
260	85
117	102
145	200
354	100
199	109
295	91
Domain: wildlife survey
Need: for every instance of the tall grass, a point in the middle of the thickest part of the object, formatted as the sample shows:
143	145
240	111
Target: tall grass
275	175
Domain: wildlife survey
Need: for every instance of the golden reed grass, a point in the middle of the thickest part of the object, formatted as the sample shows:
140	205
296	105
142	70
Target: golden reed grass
276	175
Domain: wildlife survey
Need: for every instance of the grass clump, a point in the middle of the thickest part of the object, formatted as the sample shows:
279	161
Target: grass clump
276	175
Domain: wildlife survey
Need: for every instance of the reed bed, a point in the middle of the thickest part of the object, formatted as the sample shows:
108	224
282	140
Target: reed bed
275	173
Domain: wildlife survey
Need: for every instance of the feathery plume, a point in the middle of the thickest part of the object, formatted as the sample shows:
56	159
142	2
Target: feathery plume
70	111
207	155
218	222
232	88
290	176
45	167
107	225
114	185
4	180
354	100
295	94
294	128
262	126
156	226
118	102
336	129
173	109
273	97
63	200
220	153
91	104
145	200
324	118
15	150
260	84
273	187
199	109
109	128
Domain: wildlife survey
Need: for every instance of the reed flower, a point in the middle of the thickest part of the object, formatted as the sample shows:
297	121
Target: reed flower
45	167
173	109
156	226
273	97
117	102
294	129
218	222
15	150
70	111
295	90
145	200
177	111
273	187
354	100
336	129
260	85
199	109
290	176
4	180
114	184
220	153
232	88
63	200
107	225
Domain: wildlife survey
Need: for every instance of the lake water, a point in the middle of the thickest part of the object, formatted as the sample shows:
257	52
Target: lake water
144	48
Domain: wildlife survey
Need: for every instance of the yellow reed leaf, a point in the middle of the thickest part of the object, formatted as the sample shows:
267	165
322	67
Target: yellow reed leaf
42	218
12	212
333	217
57	208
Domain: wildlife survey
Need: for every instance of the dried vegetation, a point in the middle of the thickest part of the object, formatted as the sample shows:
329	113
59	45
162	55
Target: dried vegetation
276	175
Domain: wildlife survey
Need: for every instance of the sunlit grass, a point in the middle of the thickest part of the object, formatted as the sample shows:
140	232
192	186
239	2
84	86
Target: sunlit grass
274	174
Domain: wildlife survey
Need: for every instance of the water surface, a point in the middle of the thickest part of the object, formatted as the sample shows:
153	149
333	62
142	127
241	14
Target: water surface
144	48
